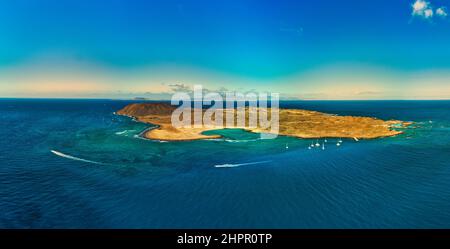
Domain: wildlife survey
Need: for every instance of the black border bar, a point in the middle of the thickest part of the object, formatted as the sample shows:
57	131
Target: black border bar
286	238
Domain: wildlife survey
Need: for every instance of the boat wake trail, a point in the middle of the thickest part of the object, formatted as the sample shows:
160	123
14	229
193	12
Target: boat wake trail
74	158
238	164
241	141
123	132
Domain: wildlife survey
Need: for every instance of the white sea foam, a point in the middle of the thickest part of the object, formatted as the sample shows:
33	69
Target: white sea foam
228	165
138	136
74	158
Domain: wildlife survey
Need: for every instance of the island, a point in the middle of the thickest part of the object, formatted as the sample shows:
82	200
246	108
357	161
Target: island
292	122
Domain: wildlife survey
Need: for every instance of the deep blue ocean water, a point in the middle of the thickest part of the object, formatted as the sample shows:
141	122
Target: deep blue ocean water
103	175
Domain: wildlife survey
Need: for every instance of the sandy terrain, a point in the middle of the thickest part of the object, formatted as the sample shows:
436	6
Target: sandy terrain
293	122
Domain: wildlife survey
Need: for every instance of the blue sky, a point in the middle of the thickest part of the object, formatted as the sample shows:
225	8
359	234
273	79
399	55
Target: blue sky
147	47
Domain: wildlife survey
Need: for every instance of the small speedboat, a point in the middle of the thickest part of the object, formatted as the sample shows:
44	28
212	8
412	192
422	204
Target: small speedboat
317	143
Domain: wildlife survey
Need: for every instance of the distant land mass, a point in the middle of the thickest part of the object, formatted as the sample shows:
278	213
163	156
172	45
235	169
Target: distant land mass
292	122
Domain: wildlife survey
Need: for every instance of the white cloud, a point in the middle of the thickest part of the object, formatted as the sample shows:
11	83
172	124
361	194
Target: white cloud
442	12
424	9
428	13
420	6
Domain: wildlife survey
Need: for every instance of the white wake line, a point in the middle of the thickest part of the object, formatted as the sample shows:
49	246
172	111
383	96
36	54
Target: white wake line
74	158
241	141
123	132
227	165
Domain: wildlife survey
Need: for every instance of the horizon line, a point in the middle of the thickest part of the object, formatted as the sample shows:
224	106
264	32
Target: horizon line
168	100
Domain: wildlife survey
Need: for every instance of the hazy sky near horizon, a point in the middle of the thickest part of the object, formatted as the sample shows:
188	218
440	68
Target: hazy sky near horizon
320	49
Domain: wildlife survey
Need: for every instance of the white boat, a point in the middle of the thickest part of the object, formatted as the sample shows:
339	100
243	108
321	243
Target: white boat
323	146
317	143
